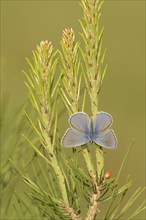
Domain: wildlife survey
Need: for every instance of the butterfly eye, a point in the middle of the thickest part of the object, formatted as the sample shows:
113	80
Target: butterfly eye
107	175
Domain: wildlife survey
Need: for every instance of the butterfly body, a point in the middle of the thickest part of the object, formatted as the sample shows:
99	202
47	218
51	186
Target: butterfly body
95	129
92	136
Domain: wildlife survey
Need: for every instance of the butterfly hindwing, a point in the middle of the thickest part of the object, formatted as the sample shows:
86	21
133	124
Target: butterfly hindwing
73	138
106	139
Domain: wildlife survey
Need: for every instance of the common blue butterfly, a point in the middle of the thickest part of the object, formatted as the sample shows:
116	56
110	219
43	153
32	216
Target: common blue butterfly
95	129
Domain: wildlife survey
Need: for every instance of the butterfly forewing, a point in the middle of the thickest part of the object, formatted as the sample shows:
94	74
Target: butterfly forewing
80	121
106	139
73	138
101	122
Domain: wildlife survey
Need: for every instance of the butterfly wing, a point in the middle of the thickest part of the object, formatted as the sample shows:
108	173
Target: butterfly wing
73	138
80	122
106	139
101	122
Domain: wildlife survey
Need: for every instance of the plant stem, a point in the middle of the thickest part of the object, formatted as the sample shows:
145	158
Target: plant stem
94	58
71	212
93	209
87	158
55	165
100	163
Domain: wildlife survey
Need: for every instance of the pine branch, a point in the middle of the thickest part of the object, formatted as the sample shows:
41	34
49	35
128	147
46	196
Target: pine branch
93	209
71	66
93	74
65	180
93	50
43	92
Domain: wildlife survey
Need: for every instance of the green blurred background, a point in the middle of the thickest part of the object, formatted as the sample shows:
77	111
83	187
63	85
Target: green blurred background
25	23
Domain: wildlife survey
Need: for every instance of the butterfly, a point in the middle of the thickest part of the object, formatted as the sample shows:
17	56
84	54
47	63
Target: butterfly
95	129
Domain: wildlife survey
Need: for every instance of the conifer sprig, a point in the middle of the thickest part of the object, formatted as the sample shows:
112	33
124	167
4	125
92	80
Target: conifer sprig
43	96
71	67
59	183
93	55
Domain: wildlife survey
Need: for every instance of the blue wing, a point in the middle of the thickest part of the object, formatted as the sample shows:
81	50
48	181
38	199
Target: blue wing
80	121
101	122
106	139
73	138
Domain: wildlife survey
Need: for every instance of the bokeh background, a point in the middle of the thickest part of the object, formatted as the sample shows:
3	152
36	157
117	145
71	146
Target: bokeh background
25	23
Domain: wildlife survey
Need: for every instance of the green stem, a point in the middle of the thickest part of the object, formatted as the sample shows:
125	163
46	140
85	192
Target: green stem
94	103
61	179
57	170
87	157
100	162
